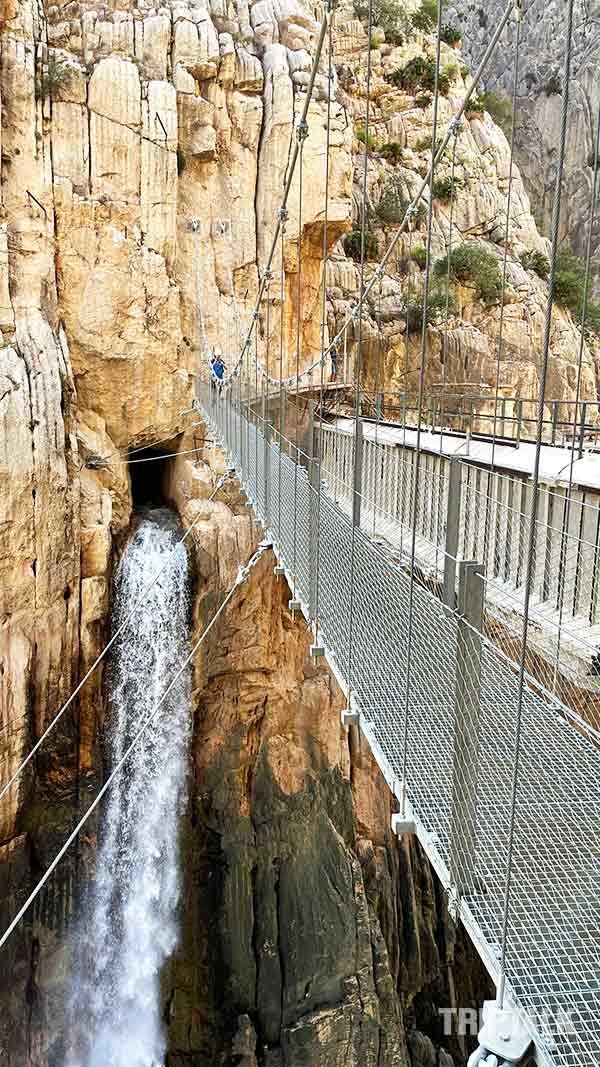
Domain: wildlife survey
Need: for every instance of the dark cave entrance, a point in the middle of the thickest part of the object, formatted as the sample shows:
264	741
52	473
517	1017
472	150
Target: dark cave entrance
150	472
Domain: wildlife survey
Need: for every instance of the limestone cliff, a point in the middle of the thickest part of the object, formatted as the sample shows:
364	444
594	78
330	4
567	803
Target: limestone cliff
143	155
540	101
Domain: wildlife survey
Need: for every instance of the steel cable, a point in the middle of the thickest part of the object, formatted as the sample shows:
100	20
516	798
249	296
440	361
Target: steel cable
109	644
582	325
534	502
358	357
319	457
241	577
414	496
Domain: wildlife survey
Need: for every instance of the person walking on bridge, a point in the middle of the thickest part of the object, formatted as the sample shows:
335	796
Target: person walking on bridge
217	370
334	363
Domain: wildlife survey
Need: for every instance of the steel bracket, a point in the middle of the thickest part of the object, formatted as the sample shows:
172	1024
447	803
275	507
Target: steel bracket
503	1039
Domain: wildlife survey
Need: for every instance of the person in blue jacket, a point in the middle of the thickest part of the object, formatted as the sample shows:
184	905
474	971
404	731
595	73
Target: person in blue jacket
218	370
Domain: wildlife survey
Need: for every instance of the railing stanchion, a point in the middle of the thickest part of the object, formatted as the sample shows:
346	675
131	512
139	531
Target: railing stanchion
463	830
452	531
357	477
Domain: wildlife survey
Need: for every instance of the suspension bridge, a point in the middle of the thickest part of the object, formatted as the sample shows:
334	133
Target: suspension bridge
454	597
447	599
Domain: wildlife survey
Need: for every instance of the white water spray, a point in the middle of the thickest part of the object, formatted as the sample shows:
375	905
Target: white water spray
129	927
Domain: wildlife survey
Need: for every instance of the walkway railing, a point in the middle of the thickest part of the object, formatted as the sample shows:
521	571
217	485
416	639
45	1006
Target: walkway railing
489	520
565	422
442	727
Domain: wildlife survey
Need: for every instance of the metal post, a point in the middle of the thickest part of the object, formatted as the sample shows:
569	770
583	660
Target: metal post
452	531
463	828
357	482
519	409
313	489
267	456
555	410
582	431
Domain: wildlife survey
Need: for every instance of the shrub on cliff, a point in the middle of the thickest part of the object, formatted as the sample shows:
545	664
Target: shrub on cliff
419	73
475	106
450	34
569	289
471	264
425	18
537	262
392	151
419	256
392	206
58	75
364	138
438	300
353	241
388	16
443	188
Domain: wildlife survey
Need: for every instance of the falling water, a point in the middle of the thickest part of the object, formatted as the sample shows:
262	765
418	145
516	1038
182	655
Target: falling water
129	925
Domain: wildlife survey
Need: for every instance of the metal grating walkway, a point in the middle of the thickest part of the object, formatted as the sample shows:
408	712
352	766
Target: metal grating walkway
453	766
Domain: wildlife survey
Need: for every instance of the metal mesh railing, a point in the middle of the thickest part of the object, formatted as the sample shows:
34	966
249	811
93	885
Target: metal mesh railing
460	720
495	513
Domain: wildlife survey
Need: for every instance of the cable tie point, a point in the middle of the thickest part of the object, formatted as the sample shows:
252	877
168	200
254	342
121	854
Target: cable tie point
302	130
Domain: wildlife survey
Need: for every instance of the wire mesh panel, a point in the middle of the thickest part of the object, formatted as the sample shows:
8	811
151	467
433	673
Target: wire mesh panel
457	706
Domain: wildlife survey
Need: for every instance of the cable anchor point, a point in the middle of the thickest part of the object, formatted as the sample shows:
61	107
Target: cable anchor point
503	1039
302	131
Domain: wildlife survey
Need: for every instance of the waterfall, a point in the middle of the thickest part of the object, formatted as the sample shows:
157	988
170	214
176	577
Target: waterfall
129	923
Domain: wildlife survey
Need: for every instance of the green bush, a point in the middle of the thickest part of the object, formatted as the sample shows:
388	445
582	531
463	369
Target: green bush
443	188
537	262
500	108
423	100
426	17
569	289
392	151
364	138
419	73
353	244
388	16
419	256
58	75
450	34
469	263
451	71
392	206
438	299
476	105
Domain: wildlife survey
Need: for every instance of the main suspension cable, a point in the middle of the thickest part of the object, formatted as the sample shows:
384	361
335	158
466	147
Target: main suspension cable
569	492
282	212
242	575
318	434
358	358
416	478
108	645
535	480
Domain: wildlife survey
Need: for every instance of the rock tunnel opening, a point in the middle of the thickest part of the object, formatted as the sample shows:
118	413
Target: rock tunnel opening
149	470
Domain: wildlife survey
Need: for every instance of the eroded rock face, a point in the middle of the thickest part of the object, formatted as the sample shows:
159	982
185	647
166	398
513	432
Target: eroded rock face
136	208
540	102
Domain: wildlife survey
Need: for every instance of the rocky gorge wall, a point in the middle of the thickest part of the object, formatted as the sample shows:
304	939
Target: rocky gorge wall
540	102
143	153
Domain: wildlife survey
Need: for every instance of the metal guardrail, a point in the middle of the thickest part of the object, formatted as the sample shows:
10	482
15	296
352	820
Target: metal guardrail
458	716
480	414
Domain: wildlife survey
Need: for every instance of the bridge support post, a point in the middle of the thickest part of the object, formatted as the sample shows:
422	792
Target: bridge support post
463	827
266	456
314	467
452	532
357	477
